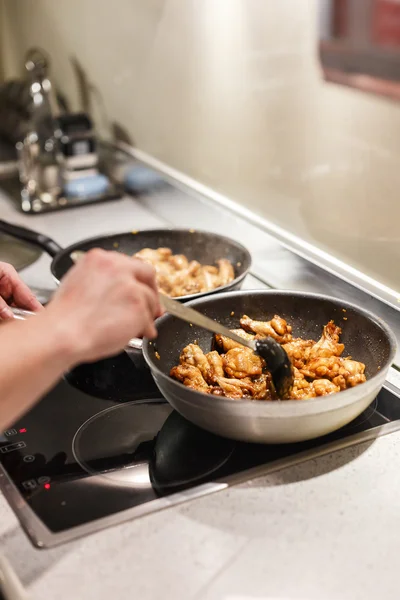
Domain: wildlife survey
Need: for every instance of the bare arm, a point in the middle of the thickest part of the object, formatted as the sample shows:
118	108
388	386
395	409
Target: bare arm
33	355
102	302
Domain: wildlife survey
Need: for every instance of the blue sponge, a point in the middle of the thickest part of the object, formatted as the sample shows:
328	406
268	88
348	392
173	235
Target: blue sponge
87	186
139	179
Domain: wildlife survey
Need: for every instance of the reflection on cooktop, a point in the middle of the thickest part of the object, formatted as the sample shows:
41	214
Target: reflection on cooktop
102	442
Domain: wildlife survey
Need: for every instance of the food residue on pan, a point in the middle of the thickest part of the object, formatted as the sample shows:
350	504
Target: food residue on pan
157	355
177	276
235	371
232	314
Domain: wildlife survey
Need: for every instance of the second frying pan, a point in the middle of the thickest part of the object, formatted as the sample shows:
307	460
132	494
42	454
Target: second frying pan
202	246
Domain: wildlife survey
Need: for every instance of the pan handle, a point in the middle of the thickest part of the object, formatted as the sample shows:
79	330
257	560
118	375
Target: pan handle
21	315
32	237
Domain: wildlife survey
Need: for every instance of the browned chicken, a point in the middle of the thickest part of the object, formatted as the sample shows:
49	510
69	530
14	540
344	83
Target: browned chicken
301	388
328	345
298	351
276	328
226	272
227	344
242	362
342	372
191	377
193	355
322	368
176	276
236	388
318	367
216	366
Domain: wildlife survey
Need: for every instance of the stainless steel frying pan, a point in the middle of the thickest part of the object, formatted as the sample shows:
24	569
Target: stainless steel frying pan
366	337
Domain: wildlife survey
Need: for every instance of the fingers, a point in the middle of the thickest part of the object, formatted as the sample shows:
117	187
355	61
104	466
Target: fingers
150	311
5	311
12	286
23	297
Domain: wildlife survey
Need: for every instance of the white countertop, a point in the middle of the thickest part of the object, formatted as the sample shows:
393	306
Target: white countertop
323	530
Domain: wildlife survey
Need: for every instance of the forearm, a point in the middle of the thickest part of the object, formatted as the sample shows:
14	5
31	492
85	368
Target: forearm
33	355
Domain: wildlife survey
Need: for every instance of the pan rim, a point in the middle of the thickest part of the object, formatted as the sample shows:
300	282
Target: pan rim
322	402
188	297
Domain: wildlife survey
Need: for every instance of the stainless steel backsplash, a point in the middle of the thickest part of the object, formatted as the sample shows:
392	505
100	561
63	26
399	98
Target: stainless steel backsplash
230	93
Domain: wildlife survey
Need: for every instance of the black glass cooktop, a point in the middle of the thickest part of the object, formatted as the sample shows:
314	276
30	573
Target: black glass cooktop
102	442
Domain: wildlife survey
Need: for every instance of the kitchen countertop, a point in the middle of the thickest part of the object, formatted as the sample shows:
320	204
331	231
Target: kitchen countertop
325	529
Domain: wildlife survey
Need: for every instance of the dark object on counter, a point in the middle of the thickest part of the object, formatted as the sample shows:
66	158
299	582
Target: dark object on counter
184	453
202	246
366	338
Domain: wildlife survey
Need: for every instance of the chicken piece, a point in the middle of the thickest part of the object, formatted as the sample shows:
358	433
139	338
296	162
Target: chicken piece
226	272
191	377
236	388
262	388
178	262
211	278
298	351
328	345
323	387
276	328
242	362
353	372
216	366
322	368
154	256
301	388
193	355
227	344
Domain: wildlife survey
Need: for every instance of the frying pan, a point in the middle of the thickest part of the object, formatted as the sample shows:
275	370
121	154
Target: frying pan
366	337
202	246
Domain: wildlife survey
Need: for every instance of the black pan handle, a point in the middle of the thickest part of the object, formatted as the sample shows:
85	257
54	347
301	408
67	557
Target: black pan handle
32	237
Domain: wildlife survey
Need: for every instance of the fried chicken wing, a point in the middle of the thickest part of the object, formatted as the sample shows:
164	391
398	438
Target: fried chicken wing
193	355
154	256
236	388
323	387
242	362
178	261
216	366
238	372
176	276
276	328
226	272
227	344
262	388
298	351
329	344
191	377
322	368
301	388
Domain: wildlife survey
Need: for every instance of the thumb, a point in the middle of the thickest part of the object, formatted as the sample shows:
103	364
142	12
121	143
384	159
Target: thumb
5	311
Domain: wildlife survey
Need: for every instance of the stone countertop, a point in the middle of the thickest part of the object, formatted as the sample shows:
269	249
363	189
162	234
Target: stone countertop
325	529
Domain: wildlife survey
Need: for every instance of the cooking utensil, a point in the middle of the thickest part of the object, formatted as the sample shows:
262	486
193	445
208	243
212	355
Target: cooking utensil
366	337
277	360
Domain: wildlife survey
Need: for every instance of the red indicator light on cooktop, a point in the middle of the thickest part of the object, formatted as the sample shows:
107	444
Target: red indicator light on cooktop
23	430
47	486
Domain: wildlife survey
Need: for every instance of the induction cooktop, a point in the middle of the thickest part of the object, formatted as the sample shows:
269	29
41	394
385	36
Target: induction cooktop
103	447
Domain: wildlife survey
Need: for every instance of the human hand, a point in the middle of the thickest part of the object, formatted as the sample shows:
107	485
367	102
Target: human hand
13	291
103	301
